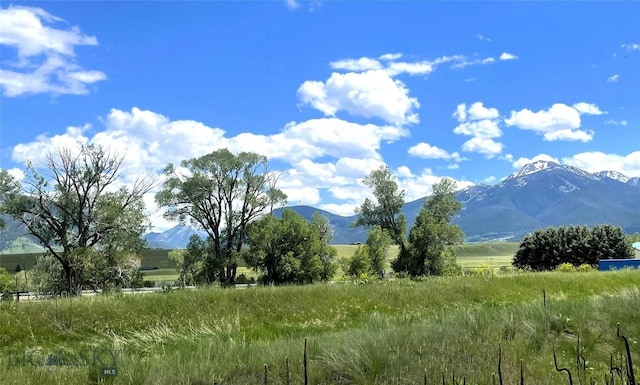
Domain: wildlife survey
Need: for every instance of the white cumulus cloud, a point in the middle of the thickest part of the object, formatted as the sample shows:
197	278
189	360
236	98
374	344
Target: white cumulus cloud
149	141
427	151
487	147
46	59
362	64
483	125
596	161
480	128
559	122
507	56
369	94
420	185
588	109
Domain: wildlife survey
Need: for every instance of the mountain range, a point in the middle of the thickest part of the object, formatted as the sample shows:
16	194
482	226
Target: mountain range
540	194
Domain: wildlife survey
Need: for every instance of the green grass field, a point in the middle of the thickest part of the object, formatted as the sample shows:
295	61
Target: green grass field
495	254
387	332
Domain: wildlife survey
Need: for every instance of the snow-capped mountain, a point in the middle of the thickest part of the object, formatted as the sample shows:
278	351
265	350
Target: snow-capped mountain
635	182
538	195
544	194
176	237
532	168
614	175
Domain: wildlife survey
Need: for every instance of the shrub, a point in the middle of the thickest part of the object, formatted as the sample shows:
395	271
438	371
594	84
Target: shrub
565	268
585	268
482	271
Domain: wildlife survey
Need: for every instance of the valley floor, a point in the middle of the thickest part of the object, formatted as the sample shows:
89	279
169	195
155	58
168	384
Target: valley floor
386	332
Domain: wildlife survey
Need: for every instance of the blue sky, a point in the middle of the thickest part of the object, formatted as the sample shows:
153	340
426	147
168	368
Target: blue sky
328	90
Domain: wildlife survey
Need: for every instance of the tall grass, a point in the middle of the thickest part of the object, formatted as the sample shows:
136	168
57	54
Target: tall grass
387	332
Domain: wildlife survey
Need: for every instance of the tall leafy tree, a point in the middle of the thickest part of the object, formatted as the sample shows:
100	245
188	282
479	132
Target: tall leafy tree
433	240
290	250
221	193
545	249
190	262
386	210
377	246
72	205
326	252
9	187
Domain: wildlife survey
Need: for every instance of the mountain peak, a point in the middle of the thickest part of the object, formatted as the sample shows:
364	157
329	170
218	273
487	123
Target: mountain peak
534	167
614	175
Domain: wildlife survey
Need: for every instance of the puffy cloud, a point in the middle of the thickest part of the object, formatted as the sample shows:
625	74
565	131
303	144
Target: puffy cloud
613	78
420	185
560	122
362	64
427	151
596	161
45	61
507	56
344	209
487	147
521	162
570	135
302	195
588	109
356	168
150	141
16	173
477	111
404	172
483	38
369	94
339	138
480	128
483	125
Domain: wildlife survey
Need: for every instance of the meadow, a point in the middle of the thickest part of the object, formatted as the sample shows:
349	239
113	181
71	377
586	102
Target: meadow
161	270
389	332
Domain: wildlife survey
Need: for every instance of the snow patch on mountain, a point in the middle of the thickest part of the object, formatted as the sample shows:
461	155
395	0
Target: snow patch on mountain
614	175
567	186
532	168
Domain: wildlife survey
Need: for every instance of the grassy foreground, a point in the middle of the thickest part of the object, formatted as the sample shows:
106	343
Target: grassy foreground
382	333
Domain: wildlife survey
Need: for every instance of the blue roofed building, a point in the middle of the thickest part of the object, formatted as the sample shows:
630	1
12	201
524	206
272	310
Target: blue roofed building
617	264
